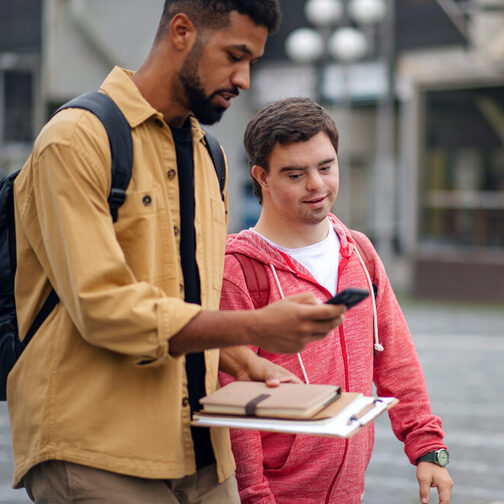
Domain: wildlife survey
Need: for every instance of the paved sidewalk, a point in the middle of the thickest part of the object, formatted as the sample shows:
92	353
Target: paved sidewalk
461	348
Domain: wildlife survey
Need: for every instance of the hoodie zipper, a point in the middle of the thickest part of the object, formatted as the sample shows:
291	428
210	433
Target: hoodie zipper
344	259
342	263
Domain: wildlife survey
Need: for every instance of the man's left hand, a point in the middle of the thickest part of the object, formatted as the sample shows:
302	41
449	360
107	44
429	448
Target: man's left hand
430	475
245	365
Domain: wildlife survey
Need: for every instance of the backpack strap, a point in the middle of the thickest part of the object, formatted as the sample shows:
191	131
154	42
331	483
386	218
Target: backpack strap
121	150
7	223
217	157
49	304
256	279
121	144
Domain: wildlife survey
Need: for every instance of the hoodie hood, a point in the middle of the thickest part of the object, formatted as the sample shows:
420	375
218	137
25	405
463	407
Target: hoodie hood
248	243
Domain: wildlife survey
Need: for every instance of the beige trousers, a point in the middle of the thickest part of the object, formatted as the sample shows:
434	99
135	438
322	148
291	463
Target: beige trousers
59	482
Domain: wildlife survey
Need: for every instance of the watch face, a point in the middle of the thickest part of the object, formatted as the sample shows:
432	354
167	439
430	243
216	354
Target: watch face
442	456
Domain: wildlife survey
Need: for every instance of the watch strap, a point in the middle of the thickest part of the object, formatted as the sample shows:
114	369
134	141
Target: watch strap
433	456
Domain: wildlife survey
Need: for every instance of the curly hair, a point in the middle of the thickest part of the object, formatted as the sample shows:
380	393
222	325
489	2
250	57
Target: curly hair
214	14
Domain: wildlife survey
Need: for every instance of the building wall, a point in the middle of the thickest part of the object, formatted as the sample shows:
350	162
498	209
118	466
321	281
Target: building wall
84	39
20	100
69	46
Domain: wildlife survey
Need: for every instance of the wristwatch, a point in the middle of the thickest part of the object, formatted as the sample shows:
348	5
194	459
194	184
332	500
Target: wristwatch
440	457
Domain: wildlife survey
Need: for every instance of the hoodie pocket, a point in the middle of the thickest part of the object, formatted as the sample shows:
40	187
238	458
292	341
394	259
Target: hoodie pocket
277	450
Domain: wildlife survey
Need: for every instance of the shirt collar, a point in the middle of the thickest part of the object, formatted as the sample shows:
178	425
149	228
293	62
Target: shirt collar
133	105
120	87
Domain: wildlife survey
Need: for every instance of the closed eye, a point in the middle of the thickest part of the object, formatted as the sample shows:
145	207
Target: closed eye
234	58
294	176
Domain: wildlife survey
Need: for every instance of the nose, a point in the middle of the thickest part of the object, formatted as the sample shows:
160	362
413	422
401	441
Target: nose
241	78
314	181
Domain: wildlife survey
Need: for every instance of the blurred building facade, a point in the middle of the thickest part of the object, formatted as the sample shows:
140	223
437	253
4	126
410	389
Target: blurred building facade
446	139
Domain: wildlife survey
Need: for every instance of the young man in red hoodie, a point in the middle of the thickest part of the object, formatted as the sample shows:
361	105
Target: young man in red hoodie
296	246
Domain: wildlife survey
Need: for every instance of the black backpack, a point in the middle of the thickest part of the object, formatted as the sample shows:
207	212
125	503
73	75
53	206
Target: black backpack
121	148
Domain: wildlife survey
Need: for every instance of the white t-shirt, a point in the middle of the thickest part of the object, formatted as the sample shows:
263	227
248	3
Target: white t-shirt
320	259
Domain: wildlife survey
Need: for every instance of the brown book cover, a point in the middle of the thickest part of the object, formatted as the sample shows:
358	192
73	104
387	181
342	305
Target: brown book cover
288	400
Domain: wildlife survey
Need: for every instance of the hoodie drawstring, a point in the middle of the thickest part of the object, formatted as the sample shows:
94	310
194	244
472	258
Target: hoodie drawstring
377	345
282	295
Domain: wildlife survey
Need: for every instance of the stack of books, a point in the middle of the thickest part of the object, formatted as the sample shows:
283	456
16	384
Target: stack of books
320	410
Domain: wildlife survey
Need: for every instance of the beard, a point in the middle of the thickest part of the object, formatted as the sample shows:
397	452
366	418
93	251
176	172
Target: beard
196	100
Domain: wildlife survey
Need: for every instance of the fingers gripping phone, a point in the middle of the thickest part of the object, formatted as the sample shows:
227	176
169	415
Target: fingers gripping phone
349	297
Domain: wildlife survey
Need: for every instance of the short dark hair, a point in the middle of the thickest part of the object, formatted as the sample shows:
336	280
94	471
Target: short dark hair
285	122
214	14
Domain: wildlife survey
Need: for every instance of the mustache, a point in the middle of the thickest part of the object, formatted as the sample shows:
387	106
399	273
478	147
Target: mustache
233	91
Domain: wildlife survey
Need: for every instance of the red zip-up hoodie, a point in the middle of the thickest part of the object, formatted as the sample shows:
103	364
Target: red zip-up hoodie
287	468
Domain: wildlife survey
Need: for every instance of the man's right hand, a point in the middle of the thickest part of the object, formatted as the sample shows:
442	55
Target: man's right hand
288	325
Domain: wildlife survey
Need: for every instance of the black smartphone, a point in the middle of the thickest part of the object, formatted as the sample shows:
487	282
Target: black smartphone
349	297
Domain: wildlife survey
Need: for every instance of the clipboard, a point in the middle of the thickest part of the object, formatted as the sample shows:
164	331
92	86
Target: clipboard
341	419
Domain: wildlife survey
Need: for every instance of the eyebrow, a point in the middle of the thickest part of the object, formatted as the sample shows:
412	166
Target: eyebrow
321	163
243	48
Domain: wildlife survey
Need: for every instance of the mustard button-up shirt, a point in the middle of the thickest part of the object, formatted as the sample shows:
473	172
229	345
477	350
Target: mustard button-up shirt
97	385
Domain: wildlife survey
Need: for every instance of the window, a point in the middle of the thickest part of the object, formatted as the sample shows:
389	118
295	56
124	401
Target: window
18	106
462	193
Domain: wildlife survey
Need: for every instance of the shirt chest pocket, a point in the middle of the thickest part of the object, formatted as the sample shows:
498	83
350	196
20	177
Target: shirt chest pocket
144	233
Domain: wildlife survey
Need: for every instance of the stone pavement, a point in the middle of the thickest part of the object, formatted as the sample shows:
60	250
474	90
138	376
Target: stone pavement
461	348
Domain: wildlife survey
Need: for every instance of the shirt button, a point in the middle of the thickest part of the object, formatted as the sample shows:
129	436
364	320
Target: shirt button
176	230
185	401
158	122
147	200
171	174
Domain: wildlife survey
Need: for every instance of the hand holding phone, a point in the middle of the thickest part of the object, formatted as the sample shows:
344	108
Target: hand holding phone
349	297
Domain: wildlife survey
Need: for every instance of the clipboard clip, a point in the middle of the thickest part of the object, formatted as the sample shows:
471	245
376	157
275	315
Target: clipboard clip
357	416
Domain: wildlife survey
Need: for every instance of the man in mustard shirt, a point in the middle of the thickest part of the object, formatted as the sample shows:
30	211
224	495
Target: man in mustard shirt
101	399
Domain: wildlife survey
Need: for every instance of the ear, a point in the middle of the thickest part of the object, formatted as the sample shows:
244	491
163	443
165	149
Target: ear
260	175
182	31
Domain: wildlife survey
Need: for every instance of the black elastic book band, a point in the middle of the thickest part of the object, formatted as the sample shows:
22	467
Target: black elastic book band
251	406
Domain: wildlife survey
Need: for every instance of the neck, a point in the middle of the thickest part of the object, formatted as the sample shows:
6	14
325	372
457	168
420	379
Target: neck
291	235
157	82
